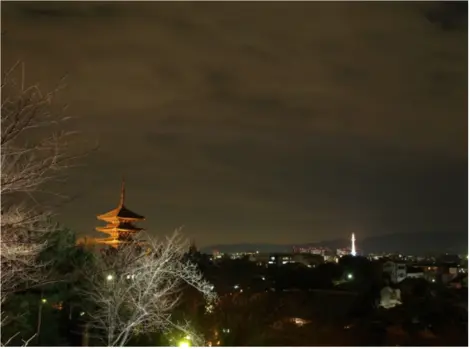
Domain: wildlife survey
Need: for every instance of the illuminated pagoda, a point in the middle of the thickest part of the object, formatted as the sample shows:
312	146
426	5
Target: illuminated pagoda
121	223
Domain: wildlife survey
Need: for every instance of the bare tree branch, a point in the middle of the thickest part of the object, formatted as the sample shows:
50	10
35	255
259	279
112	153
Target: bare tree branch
35	150
135	288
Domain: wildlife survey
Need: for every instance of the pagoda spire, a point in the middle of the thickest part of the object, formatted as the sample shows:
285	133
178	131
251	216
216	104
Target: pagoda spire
123	192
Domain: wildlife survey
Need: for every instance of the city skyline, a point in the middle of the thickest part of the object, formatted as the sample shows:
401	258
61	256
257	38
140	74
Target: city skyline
241	122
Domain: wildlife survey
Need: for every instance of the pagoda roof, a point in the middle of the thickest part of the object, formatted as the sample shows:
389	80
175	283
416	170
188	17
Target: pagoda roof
119	227
121	211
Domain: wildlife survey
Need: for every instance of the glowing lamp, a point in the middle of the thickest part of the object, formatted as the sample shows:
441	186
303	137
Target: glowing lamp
350	276
184	344
44	301
109	277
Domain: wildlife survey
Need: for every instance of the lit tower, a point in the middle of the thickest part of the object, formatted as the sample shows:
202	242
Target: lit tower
120	227
353	245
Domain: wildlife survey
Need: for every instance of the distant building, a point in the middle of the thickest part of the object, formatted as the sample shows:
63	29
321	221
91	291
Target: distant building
459	282
440	272
449	259
397	271
414	273
259	258
389	297
331	259
307	259
430	271
322	251
217	255
448	272
340	252
280	259
443	272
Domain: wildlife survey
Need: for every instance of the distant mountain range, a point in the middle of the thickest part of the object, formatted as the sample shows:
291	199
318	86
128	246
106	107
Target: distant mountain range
412	243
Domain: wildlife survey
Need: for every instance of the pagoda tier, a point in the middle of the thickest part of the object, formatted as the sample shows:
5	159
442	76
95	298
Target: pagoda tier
119	227
120	223
120	213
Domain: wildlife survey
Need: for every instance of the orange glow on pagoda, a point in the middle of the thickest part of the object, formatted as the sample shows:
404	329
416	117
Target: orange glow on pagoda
121	223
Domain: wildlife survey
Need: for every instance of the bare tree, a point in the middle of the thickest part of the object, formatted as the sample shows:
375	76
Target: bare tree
34	151
135	288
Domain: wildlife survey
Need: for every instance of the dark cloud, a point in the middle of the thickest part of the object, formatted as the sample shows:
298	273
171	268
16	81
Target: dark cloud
449	15
44	11
276	122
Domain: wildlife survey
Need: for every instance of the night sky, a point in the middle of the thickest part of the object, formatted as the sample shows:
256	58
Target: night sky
259	122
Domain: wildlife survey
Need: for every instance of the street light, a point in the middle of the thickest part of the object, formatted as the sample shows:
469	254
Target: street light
184	344
109	277
350	276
